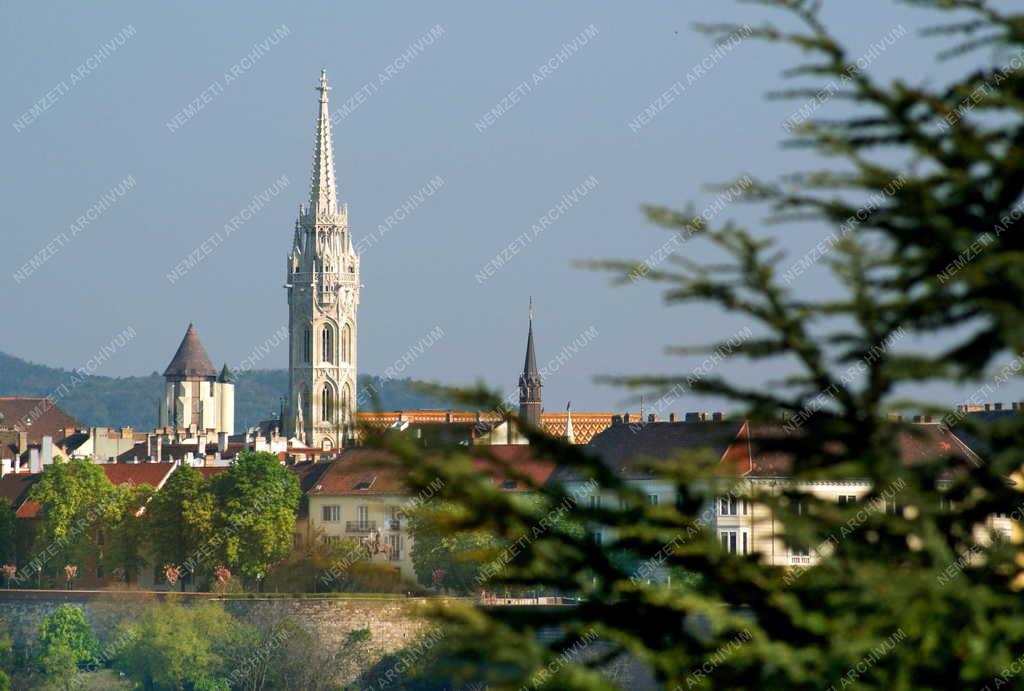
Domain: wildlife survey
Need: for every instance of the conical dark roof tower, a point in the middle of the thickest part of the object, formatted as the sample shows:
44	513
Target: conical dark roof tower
191	360
529	382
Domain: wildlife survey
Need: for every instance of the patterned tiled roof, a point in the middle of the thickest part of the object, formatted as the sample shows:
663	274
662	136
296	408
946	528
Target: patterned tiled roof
584	425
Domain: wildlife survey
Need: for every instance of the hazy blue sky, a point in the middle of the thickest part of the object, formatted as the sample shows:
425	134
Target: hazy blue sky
419	124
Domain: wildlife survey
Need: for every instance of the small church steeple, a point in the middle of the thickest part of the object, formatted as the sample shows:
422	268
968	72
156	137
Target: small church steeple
529	381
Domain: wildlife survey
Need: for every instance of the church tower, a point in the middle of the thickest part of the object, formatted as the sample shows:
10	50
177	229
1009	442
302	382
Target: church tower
529	382
323	295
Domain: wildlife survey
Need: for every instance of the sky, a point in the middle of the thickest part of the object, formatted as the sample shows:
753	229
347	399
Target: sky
183	115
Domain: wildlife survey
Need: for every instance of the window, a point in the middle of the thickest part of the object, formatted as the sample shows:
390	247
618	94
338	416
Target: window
307	345
394	543
327	345
595	537
394	514
595	501
100	572
891	507
652	499
346	343
326	403
509	484
331	514
847	499
800	555
729	541
362	515
727	506
100	538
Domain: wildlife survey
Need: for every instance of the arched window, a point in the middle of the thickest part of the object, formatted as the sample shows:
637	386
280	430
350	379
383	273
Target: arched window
307	345
346	343
327	343
346	402
326	403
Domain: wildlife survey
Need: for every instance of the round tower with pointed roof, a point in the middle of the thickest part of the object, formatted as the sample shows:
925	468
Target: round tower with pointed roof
194	394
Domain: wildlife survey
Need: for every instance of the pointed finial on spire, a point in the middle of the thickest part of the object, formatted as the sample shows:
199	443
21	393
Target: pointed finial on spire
323	191
323	88
531	309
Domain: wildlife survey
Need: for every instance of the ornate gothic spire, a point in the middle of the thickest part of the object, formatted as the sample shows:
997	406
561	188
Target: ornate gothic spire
323	191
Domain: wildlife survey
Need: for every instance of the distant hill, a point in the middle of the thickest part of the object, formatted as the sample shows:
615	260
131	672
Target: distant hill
133	401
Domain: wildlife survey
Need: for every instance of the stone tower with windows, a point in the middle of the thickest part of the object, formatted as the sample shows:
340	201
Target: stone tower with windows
323	296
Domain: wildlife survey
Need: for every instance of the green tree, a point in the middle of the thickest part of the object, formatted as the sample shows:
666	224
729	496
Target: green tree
65	636
257	501
127	539
180	519
172	646
919	205
76	499
8	533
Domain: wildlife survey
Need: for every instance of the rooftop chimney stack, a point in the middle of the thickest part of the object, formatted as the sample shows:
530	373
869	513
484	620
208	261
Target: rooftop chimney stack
159	450
222	442
47	450
671	417
33	461
6	467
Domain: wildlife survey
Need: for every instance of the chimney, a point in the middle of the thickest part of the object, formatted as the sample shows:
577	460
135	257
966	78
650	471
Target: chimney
33	461
671	417
616	419
717	416
651	417
149	446
625	418
159	449
693	417
47	450
222	442
999	406
988	407
6	467
22	442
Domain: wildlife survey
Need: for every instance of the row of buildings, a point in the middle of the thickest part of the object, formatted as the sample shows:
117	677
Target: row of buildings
360	493
350	491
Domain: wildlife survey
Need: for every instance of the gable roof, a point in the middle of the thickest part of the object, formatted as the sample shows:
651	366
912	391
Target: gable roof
191	360
154	474
621	445
35	415
746	448
14	487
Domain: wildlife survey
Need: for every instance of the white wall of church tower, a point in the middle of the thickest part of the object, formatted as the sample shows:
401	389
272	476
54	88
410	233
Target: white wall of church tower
323	298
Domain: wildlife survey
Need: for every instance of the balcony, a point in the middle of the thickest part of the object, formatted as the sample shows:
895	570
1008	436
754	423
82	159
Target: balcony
394	524
360	526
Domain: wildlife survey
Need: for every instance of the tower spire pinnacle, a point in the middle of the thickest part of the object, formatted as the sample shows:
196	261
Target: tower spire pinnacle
323	191
530	382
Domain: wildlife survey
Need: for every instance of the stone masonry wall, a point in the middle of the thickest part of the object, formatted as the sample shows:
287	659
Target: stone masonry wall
394	623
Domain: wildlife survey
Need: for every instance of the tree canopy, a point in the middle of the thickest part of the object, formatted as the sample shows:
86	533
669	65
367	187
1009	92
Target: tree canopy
919	197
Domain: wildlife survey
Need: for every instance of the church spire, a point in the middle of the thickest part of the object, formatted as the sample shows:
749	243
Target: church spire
323	191
529	382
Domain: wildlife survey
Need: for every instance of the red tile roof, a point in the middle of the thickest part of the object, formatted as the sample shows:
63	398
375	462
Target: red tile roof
154	474
14	488
371	471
